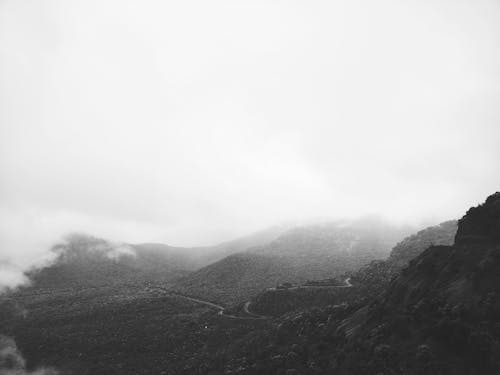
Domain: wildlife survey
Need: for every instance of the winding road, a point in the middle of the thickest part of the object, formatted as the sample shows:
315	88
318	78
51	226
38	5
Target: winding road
221	312
246	306
347	284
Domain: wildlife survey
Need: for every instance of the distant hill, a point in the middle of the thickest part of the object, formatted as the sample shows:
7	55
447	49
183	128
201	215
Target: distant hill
205	255
86	261
235	277
364	239
83	260
299	254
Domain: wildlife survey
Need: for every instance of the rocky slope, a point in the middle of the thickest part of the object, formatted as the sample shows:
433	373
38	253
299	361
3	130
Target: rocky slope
440	315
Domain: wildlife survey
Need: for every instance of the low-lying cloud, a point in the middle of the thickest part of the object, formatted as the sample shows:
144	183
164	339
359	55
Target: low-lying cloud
11	277
13	363
72	245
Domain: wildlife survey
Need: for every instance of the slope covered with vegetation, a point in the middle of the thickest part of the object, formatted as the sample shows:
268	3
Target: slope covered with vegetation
414	245
439	315
300	254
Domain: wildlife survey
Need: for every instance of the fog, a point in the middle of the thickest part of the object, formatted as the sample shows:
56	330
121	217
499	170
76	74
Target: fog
193	122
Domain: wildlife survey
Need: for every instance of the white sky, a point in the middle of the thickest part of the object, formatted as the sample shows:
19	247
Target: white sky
191	122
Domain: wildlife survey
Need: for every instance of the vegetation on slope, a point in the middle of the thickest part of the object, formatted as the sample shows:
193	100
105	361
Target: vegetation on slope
300	254
440	315
414	245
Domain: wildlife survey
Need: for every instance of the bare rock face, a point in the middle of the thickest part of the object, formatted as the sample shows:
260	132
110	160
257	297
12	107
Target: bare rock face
481	223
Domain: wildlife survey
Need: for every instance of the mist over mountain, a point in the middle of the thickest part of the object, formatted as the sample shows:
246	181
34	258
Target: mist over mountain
91	310
186	124
84	261
249	187
299	254
439	315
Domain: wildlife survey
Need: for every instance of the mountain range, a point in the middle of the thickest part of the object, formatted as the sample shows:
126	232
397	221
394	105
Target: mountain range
297	255
431	305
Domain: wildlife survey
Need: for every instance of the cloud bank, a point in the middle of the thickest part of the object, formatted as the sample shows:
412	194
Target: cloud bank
194	122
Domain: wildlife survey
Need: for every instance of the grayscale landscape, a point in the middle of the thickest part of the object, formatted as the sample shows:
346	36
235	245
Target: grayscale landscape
248	187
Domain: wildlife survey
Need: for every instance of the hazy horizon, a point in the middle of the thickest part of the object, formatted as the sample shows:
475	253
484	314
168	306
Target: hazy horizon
194	123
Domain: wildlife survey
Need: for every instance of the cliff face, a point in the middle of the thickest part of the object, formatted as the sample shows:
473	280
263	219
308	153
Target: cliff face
447	301
481	223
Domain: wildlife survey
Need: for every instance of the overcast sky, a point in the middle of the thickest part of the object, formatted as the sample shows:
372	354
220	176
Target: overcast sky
192	122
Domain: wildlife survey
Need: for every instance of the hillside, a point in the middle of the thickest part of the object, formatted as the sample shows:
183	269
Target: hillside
369	238
410	247
299	254
440	315
84	261
236	277
443	312
206	255
375	276
102	331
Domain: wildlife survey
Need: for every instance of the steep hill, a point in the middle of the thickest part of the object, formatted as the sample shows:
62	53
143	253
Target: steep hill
203	256
414	245
299	254
375	276
236	277
440	315
83	260
369	238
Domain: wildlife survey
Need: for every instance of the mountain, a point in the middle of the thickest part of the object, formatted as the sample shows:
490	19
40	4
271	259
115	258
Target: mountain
203	256
410	247
371	278
440	315
376	275
235	278
299	254
85	261
368	237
